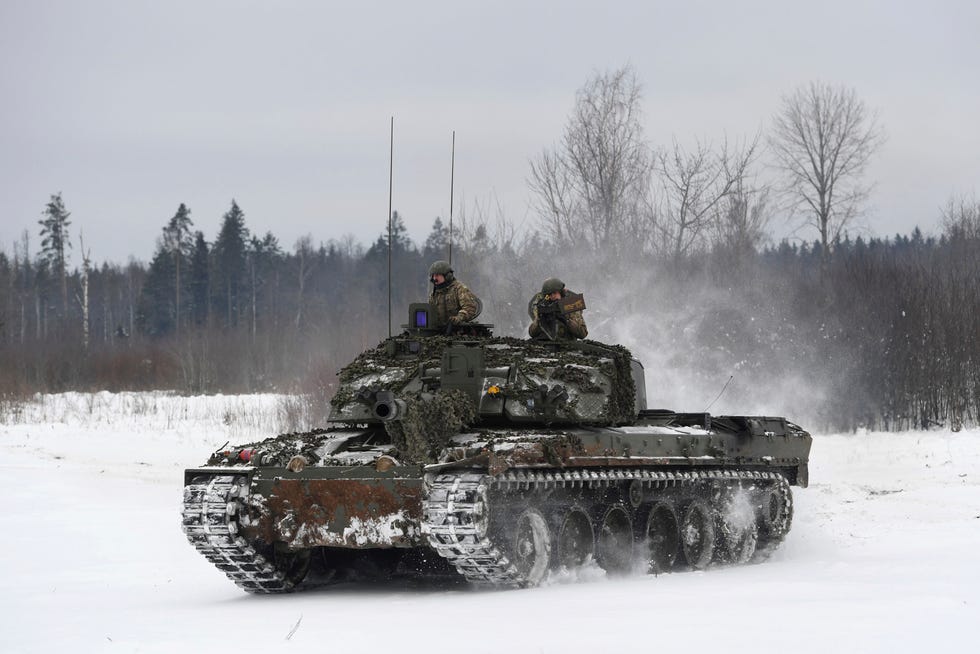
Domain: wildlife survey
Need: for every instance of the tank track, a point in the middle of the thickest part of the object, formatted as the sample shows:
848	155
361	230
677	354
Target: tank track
456	516
210	521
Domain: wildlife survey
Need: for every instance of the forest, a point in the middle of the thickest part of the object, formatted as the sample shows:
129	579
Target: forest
671	246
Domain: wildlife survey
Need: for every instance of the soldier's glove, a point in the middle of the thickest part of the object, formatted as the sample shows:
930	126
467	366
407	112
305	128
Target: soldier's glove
551	312
455	320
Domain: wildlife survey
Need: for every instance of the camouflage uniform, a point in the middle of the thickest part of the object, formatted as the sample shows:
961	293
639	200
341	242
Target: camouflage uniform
575	329
452	300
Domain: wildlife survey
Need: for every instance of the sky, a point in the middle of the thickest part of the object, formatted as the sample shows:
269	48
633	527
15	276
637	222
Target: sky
130	108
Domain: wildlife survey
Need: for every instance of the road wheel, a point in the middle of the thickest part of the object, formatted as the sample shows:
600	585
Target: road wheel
775	508
532	547
736	542
576	539
662	537
291	564
698	534
614	549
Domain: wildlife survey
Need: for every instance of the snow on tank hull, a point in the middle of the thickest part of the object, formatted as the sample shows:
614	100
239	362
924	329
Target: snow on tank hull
500	461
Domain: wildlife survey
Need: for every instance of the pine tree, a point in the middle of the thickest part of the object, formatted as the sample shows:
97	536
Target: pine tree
54	242
156	312
263	254
437	244
199	280
400	241
230	265
177	241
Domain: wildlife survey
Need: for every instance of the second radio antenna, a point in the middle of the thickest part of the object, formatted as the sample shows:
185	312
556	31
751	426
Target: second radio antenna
452	172
391	171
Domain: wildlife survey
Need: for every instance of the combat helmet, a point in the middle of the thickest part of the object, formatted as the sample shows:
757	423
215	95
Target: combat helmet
551	285
441	268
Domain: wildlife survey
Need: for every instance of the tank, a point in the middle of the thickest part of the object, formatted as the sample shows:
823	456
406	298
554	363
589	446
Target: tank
495	461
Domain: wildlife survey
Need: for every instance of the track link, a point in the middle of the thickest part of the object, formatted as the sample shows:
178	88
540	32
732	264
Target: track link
456	513
212	504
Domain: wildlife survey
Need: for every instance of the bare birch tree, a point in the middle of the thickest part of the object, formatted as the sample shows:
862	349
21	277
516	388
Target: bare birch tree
960	218
823	138
552	193
305	263
84	300
743	223
694	186
589	189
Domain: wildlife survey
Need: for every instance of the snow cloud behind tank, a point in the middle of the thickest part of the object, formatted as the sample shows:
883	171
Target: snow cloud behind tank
692	338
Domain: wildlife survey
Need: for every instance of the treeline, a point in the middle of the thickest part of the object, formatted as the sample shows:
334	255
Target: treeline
235	314
885	335
888	331
670	243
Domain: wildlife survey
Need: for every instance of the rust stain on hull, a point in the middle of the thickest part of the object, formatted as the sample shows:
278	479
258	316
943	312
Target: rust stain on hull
557	453
342	513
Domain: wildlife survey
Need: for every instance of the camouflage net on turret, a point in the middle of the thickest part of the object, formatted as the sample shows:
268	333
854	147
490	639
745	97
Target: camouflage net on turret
428	425
571	358
568	362
377	360
561	361
622	400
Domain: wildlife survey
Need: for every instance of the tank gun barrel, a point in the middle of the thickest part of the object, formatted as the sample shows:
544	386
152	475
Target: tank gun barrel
387	407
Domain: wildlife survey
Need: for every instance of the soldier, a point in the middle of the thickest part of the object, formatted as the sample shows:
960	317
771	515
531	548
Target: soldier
549	319
452	303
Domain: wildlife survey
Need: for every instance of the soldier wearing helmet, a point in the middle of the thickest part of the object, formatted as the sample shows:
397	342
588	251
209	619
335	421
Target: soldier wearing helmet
452	303
548	318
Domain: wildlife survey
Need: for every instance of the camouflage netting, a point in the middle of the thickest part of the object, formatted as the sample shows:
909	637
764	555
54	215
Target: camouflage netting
377	360
570	358
569	361
578	375
428	425
563	361
622	400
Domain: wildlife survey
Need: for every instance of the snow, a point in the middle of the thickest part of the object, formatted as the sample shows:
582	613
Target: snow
882	556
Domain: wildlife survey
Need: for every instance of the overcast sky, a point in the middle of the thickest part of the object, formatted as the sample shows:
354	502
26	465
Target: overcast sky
129	108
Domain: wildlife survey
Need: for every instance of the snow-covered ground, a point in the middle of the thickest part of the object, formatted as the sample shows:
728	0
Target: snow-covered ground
884	556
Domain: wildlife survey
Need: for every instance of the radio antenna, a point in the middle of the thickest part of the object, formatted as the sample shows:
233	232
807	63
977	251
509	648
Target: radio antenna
452	173
730	378
391	170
